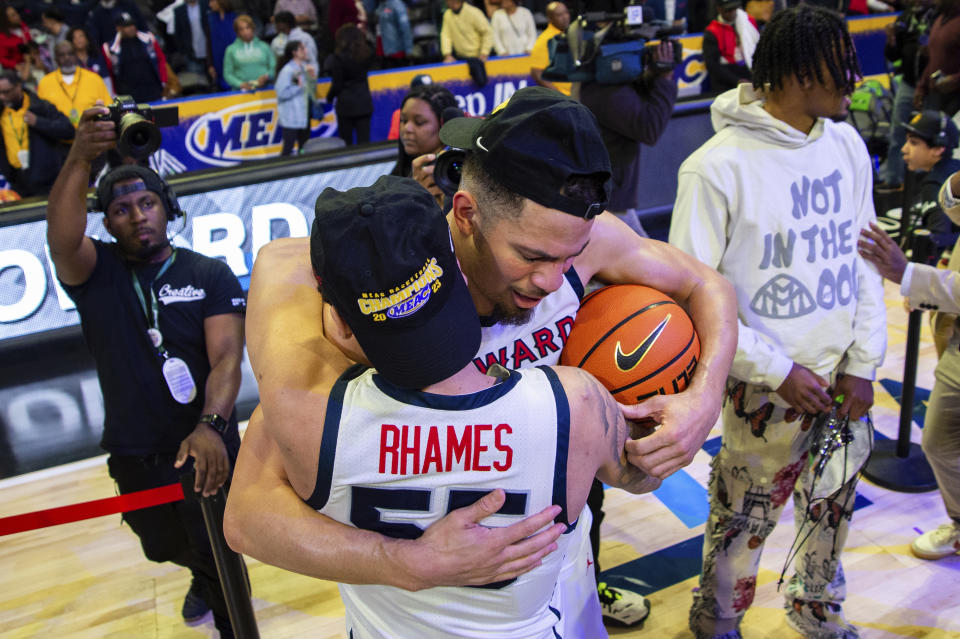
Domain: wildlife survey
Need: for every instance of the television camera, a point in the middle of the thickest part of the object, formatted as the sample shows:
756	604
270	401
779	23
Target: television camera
610	48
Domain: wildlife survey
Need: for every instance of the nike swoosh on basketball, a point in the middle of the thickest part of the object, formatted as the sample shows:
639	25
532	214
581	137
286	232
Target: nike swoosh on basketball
628	361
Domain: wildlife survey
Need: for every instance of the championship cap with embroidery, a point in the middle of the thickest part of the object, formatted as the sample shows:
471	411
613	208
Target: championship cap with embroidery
383	258
937	128
533	143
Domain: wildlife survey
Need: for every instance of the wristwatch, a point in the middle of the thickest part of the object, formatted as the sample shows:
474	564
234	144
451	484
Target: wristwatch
214	421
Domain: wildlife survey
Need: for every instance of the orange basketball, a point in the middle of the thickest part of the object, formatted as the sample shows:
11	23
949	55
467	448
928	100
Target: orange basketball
635	340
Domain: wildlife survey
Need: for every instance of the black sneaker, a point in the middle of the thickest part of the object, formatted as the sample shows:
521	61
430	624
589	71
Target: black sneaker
622	607
194	607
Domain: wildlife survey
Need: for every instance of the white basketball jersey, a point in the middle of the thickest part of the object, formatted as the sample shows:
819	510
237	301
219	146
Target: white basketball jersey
394	461
537	342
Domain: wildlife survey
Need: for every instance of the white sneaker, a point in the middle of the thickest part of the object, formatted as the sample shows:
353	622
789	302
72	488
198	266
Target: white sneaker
939	543
622	607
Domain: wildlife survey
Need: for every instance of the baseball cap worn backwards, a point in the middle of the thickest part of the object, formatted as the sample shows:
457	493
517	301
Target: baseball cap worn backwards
533	143
383	258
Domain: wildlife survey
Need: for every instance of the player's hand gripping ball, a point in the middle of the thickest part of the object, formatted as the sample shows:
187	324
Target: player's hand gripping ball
635	340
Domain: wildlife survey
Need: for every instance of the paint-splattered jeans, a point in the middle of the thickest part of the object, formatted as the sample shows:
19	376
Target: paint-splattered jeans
762	462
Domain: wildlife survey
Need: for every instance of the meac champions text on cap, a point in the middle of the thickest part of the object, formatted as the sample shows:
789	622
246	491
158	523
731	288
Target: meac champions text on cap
383	258
937	128
533	143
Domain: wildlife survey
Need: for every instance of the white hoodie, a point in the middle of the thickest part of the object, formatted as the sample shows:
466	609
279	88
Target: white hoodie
778	213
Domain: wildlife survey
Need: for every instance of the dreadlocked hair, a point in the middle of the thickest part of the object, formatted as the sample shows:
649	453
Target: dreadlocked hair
797	41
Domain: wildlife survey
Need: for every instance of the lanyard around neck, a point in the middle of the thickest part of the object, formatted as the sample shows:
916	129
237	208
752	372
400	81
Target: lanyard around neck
153	314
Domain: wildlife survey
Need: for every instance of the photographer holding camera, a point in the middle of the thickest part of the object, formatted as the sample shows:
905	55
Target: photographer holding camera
632	114
165	328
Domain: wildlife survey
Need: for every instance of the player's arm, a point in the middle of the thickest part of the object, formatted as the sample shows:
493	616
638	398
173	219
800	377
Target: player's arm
266	519
73	253
598	432
618	255
291	358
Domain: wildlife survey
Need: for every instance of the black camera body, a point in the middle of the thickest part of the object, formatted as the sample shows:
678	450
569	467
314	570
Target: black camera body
447	169
610	48
137	125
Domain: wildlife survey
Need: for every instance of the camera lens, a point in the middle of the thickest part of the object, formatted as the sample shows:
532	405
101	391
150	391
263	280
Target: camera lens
138	137
446	172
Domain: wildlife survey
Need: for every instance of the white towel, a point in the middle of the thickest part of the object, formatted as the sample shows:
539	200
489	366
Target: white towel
748	36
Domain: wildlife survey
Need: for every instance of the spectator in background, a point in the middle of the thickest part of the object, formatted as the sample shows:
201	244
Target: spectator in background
928	150
394	36
559	19
794	359
348	68
928	287
296	86
418	80
88	56
903	48
728	45
939	85
221	19
514	31
135	61
71	88
632	114
421	116
31	68
466	35
13	33
339	13
248	63
288	31
55	25
101	23
191	36
304	12
33	133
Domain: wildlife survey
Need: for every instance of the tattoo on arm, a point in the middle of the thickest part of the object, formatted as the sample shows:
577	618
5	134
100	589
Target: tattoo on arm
616	432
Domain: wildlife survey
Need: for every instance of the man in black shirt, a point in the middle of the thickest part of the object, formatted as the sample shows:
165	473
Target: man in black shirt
165	327
632	114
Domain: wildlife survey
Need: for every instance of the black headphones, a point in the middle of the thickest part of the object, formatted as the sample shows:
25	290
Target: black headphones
151	180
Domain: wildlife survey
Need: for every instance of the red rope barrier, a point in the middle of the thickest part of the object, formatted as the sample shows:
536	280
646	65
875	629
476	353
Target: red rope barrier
90	509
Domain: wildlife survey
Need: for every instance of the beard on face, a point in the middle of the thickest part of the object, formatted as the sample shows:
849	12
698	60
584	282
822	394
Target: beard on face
516	317
142	251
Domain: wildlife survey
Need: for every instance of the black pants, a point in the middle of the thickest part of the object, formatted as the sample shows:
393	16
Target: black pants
347	125
300	136
476	68
595	501
172	532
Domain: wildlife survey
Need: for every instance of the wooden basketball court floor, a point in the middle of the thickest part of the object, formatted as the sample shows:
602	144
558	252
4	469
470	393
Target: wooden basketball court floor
89	579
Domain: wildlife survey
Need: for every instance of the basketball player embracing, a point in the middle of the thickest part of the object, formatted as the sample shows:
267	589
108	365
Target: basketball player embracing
424	431
528	231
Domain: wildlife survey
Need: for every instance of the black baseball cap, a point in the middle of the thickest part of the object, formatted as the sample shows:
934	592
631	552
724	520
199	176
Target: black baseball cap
532	143
107	189
935	127
384	259
728	4
124	19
